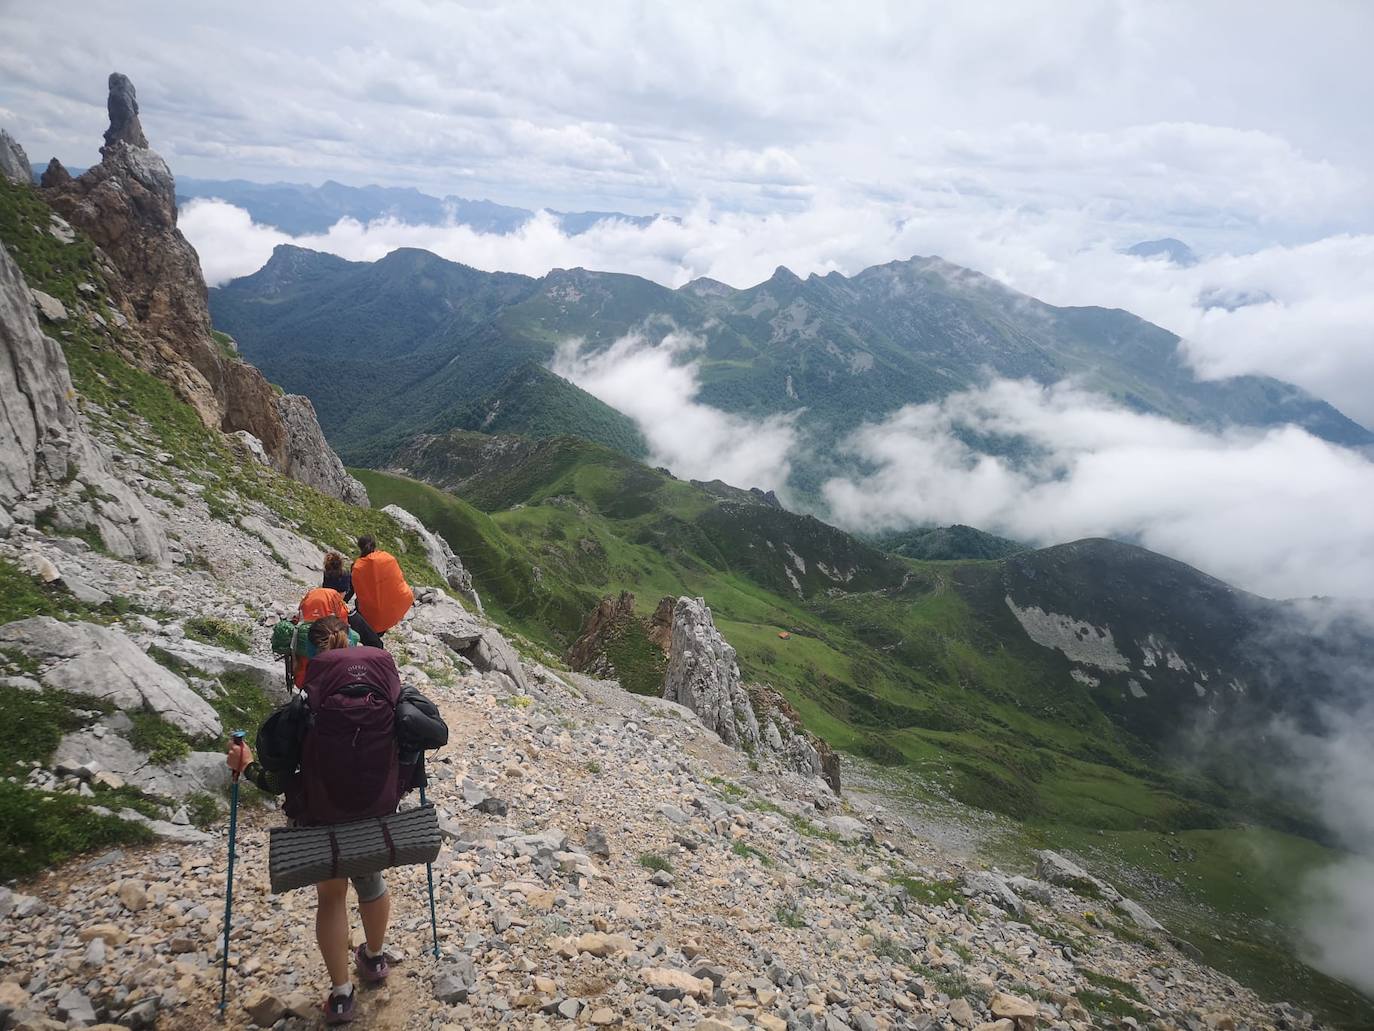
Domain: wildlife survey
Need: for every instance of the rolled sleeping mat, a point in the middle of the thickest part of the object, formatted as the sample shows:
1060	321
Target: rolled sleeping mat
301	856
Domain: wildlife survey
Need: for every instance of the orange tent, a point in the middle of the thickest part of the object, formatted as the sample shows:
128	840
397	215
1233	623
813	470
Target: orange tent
784	635
383	595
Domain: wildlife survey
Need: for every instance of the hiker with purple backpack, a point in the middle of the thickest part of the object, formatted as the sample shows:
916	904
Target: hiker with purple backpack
344	751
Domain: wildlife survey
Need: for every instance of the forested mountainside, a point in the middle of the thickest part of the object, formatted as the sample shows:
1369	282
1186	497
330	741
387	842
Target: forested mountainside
837	351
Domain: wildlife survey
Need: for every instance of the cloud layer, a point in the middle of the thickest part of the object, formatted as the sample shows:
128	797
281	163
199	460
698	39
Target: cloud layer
655	387
1280	513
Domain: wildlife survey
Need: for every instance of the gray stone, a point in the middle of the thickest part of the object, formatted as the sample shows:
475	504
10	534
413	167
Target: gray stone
1138	915
309	458
455	979
597	845
214	661
441	556
662	878
83	591
850	829
304	560
103	663
704	676
122	104
76	1009
994	888
49	306
14	163
46	444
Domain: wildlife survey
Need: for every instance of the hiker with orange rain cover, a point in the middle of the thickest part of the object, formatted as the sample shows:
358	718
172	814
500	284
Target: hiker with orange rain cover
381	595
317	603
344	752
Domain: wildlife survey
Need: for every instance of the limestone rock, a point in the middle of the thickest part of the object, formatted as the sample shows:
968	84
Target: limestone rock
309	458
48	306
102	662
441	556
264	1008
994	888
46	444
14	163
216	662
704	676
669	984
482	645
127	205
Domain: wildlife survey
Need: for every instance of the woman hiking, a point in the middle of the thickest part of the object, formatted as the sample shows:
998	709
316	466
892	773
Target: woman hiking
336	577
337	780
381	595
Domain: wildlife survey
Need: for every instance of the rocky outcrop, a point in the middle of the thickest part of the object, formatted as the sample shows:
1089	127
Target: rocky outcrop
55	175
127	205
101	662
480	644
14	163
783	733
704	676
588	652
309	458
48	461
441	556
122	105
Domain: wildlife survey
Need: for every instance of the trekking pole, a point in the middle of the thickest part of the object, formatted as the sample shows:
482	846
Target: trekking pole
237	737
429	872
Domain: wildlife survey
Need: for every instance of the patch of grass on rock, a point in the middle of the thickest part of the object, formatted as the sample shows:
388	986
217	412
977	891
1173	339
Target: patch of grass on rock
162	742
39	830
224	633
654	861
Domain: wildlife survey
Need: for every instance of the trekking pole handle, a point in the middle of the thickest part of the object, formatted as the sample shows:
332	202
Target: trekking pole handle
237	737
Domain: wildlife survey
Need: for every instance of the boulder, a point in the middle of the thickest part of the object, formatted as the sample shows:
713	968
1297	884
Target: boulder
436	613
669	984
1138	915
441	556
49	306
850	829
14	163
111	756
304	560
216	662
102	662
995	889
1057	869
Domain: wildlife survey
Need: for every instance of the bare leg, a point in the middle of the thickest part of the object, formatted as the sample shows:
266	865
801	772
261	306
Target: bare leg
376	915
331	928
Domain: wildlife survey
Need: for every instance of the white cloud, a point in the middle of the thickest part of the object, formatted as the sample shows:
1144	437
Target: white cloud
655	386
1280	512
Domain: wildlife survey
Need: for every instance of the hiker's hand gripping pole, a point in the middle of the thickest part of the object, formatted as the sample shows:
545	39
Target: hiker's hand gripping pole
239	758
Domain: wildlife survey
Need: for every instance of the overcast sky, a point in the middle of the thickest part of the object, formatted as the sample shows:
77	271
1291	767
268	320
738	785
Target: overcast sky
1240	122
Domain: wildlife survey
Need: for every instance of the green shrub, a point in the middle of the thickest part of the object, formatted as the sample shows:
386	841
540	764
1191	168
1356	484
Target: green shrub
653	861
224	633
162	742
39	830
202	808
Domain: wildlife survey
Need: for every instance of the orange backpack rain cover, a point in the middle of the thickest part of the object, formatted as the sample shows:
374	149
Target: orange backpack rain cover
318	603
383	595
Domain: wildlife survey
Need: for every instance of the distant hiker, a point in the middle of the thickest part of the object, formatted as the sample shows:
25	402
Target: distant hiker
318	603
382	596
336	577
339	752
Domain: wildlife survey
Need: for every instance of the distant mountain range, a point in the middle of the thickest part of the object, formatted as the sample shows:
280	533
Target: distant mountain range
303	208
431	339
300	208
1173	250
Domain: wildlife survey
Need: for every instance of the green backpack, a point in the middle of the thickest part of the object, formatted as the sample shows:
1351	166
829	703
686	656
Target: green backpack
290	638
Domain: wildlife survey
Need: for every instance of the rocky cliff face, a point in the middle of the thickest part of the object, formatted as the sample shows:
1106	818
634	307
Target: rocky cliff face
704	676
49	464
126	204
14	163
